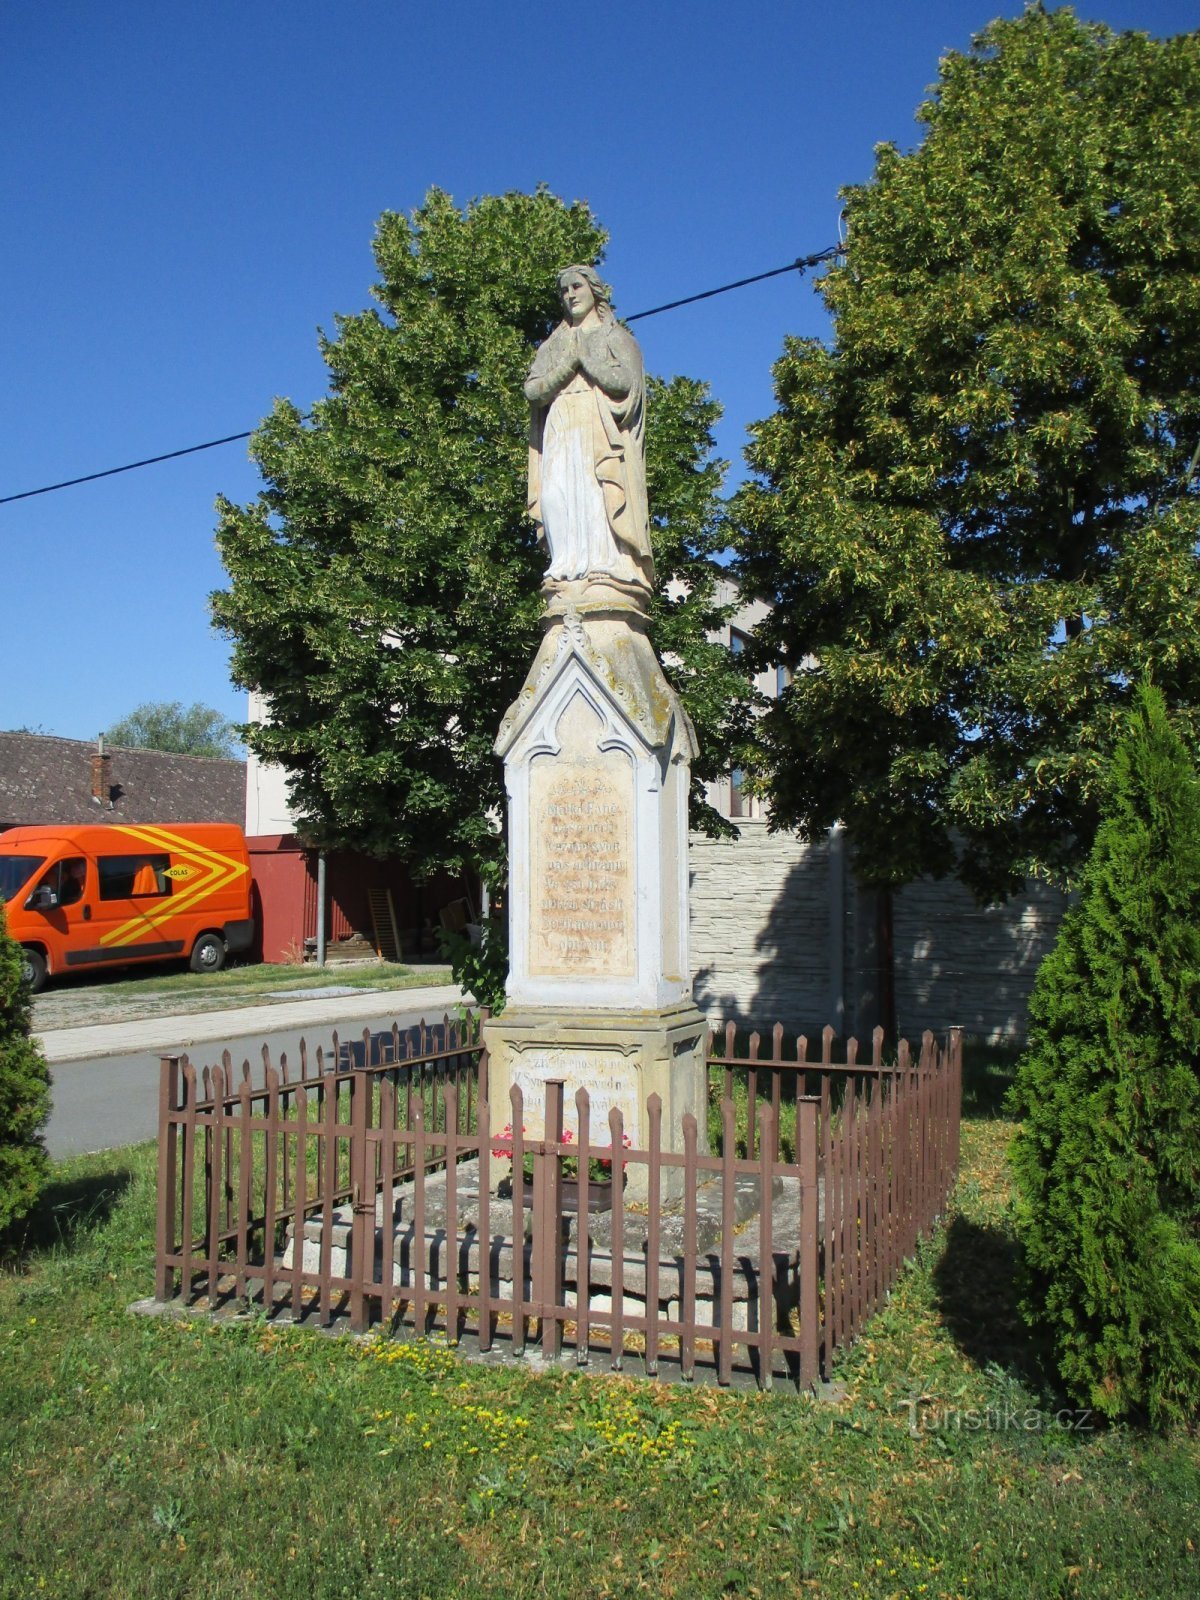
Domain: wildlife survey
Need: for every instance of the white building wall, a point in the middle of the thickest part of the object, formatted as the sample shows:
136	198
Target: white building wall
267	809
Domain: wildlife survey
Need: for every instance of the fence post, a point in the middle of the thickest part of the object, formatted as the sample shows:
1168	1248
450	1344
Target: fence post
831	1260
813	1344
450	1153
362	1203
483	1132
583	1237
956	1048
214	1177
724	1316
245	1196
271	1169
327	1171
849	1278
768	1145
653	1225
878	1286
616	1138
475	1032
687	1338
300	1197
187	1177
547	1222
168	1138
387	1197
516	1121
418	1261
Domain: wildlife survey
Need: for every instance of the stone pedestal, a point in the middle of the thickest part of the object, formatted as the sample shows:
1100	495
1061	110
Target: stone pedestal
597	752
619	1057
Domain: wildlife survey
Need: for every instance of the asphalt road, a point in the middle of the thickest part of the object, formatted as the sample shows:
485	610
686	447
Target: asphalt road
105	1101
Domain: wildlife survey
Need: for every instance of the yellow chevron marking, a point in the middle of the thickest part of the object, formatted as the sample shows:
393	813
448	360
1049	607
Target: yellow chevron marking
211	870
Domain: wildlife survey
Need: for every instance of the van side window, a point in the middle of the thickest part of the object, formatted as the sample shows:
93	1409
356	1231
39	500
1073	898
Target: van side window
66	880
141	877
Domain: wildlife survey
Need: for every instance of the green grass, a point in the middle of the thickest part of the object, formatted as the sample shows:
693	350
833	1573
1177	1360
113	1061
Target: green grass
988	1073
249	981
165	1458
256	979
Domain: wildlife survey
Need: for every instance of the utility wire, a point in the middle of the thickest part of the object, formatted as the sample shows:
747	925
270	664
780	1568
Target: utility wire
799	265
109	472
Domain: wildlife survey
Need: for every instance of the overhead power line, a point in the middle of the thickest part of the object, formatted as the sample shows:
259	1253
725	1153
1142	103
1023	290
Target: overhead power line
109	472
800	264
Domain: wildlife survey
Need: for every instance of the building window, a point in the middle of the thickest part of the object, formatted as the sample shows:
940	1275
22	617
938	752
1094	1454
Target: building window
739	801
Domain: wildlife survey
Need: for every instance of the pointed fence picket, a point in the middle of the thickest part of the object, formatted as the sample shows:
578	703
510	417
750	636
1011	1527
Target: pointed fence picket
318	1181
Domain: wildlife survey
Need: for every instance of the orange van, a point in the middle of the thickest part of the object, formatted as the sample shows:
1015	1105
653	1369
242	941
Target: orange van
84	897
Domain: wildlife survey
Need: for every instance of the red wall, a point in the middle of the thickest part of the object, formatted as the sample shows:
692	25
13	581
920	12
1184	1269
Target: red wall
280	870
285	882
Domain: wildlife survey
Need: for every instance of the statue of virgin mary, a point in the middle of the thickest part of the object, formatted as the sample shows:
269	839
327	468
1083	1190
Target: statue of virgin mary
587	468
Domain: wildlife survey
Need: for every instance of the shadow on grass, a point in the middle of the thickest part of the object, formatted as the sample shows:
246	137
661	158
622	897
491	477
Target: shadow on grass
67	1208
988	1073
976	1288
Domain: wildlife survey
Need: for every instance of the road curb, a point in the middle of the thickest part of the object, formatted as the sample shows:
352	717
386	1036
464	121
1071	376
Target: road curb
166	1035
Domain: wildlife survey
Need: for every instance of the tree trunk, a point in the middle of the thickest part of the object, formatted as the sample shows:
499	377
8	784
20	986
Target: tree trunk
875	996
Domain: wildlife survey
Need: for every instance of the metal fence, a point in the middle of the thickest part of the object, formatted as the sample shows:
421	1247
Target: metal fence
377	1185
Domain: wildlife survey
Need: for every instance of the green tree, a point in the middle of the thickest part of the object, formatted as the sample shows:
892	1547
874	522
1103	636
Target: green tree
1107	1160
24	1091
194	730
384	587
975	509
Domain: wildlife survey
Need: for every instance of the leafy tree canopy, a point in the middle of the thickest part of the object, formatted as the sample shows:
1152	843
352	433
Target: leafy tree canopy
976	510
1107	1161
384	587
194	730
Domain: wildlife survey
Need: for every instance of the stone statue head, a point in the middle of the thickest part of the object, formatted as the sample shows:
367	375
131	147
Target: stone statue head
600	290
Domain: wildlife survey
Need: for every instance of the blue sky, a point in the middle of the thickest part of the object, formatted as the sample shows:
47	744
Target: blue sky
190	192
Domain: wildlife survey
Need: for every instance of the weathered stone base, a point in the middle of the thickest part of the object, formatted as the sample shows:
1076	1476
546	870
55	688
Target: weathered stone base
620	1057
477	1248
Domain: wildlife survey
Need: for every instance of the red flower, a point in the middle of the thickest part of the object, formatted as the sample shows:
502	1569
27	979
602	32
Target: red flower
499	1148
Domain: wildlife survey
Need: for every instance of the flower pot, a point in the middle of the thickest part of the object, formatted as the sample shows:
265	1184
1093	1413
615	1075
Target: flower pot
600	1194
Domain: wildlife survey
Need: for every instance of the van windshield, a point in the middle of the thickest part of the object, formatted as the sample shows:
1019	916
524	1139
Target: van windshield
16	871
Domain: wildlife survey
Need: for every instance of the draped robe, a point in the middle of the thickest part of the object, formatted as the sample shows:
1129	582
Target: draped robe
587	468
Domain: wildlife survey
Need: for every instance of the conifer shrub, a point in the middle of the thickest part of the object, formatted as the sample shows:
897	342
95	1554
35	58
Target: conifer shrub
24	1092
1107	1159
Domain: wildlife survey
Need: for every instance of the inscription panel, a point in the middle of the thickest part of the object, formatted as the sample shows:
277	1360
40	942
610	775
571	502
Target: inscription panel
611	1080
581	913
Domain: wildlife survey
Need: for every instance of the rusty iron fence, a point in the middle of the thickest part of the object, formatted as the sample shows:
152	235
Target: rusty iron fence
369	1185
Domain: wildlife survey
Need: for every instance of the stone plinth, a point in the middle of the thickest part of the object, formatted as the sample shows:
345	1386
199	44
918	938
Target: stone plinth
620	1058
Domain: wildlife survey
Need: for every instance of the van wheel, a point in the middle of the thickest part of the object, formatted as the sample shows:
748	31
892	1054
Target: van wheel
33	969
208	953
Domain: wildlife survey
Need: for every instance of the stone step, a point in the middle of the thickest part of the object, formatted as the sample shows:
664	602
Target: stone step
435	1256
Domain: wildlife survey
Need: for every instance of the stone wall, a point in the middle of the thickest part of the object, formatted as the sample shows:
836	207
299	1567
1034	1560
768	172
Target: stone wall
957	961
762	911
778	933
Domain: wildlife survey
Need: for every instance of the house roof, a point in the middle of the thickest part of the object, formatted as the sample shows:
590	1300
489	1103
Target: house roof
46	779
